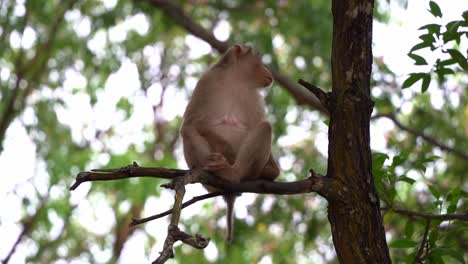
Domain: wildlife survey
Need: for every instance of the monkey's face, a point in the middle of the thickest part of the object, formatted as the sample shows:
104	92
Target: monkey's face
248	63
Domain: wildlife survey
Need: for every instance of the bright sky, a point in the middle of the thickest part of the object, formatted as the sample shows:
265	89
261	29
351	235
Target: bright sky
392	43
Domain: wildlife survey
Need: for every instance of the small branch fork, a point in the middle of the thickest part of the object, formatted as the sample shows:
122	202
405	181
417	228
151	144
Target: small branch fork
322	96
325	186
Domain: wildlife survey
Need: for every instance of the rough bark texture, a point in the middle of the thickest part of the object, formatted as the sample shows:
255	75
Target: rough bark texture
356	223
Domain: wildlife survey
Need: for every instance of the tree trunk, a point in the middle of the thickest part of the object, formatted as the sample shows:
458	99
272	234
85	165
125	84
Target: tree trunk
356	223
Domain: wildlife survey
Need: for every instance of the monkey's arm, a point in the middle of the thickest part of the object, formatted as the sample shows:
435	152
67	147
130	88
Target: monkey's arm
196	147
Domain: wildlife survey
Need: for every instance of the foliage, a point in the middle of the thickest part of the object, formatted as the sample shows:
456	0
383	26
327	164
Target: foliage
444	38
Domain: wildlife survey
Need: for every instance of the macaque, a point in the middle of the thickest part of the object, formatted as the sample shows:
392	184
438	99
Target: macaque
225	130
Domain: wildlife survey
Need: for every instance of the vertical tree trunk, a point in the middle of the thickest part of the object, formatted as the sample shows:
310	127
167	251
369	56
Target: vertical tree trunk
356	223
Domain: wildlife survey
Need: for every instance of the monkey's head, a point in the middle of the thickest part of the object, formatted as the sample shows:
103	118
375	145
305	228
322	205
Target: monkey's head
246	64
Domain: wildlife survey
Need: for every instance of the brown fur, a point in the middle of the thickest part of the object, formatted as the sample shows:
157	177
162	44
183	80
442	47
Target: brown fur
225	130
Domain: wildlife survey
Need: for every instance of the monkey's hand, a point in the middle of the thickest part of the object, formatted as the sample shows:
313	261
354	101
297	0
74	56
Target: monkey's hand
216	162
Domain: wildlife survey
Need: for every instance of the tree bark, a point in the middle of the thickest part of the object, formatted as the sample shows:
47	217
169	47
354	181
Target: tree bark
356	223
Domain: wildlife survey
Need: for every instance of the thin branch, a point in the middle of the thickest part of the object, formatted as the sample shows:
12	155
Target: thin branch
421	256
319	93
28	224
444	217
177	14
124	173
416	133
168	212
173	232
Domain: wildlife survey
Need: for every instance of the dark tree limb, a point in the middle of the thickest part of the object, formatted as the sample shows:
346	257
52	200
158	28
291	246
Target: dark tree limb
327	187
427	138
173	232
168	212
319	93
358	232
443	217
124	173
176	13
27	225
422	251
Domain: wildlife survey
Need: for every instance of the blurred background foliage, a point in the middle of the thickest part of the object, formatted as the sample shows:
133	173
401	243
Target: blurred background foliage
88	84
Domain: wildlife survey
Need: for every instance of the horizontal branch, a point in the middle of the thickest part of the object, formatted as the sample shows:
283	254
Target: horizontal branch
325	186
177	14
168	212
443	217
126	172
431	140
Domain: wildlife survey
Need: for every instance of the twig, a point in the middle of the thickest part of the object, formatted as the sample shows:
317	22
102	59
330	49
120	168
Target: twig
319	93
168	212
421	256
442	217
416	133
28	224
173	232
126	172
177	14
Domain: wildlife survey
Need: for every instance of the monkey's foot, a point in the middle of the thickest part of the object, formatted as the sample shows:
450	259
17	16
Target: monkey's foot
215	162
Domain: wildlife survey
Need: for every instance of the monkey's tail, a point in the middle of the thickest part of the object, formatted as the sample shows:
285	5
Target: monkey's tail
230	199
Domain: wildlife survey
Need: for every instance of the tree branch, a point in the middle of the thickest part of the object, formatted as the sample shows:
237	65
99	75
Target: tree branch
329	188
177	14
124	173
27	224
421	256
319	93
416	133
168	212
443	217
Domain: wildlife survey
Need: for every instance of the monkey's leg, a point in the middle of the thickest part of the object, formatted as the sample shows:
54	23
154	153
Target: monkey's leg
252	156
271	169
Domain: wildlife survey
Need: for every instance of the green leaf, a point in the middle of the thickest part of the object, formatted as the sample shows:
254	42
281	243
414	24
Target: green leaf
433	237
442	63
398	160
450	35
454	25
406	179
445	251
434	191
421	45
378	160
429	38
431	28
457	56
451	209
455	195
409	229
444	71
418	60
403	243
435	9
413	77
465	15
425	83
431	158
